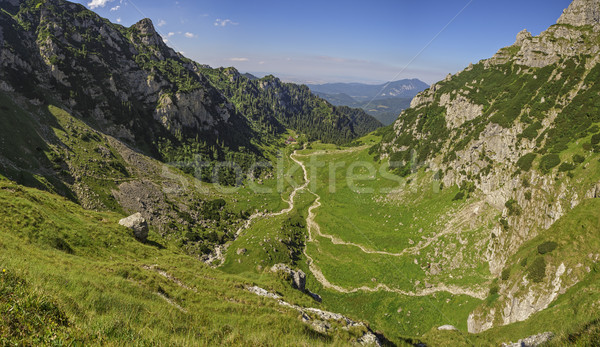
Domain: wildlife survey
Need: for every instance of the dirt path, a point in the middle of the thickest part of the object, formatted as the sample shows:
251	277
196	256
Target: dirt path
314	228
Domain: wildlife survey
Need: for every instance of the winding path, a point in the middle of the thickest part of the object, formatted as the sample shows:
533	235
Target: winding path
314	228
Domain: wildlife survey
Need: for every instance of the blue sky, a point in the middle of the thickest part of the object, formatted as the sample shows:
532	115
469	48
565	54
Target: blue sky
338	41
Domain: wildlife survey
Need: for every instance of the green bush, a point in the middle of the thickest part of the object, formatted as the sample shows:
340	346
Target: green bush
459	196
548	162
513	207
505	274
504	223
578	159
494	290
547	247
566	167
537	270
524	163
595	139
528	195
531	132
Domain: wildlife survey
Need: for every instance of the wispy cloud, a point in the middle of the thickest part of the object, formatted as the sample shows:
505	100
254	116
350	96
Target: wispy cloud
189	35
161	23
171	34
98	3
238	59
116	8
224	22
119	20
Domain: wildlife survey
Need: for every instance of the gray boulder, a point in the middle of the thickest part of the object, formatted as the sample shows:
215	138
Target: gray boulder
298	277
137	224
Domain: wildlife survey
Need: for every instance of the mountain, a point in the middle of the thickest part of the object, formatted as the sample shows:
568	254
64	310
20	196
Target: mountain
361	92
275	106
518	134
384	102
384	110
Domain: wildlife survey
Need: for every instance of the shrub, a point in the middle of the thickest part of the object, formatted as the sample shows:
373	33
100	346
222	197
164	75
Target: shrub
505	274
578	159
504	223
494	290
537	270
524	163
566	167
548	162
459	196
513	207
547	247
587	146
528	195
595	139
531	132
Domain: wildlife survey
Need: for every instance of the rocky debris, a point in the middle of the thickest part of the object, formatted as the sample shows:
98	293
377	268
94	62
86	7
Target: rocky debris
263	292
447	327
240	251
137	224
322	321
581	12
531	341
594	192
298	276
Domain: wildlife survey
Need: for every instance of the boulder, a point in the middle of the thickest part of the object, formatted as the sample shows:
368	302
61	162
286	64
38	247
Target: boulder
137	224
447	327
298	277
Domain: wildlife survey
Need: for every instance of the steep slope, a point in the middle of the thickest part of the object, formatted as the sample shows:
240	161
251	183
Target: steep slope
73	276
518	132
275	105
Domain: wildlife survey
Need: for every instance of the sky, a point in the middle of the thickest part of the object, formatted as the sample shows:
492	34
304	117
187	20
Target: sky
310	41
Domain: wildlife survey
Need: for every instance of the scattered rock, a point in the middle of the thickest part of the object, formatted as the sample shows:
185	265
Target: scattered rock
531	341
447	327
262	292
241	251
137	224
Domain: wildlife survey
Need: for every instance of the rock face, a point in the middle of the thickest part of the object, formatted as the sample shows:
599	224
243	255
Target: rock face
298	276
581	12
137	224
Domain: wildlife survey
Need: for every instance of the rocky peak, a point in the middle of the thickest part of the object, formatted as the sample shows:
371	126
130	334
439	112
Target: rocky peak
581	12
148	33
522	36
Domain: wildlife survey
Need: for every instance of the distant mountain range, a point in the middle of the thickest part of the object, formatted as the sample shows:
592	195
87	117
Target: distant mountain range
362	92
382	101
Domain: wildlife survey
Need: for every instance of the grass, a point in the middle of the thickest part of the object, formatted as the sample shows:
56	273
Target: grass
108	290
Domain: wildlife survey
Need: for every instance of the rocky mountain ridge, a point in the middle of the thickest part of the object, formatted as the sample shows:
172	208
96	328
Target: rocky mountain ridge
500	130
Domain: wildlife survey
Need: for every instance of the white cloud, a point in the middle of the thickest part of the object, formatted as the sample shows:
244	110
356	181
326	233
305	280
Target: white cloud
116	8
224	22
261	62
165	40
189	35
171	34
98	3
119	20
238	59
161	23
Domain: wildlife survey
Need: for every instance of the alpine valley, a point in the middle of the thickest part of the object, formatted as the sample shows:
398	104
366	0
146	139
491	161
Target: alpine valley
147	199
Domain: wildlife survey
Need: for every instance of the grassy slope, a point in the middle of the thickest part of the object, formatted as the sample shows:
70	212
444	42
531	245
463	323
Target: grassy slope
84	266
